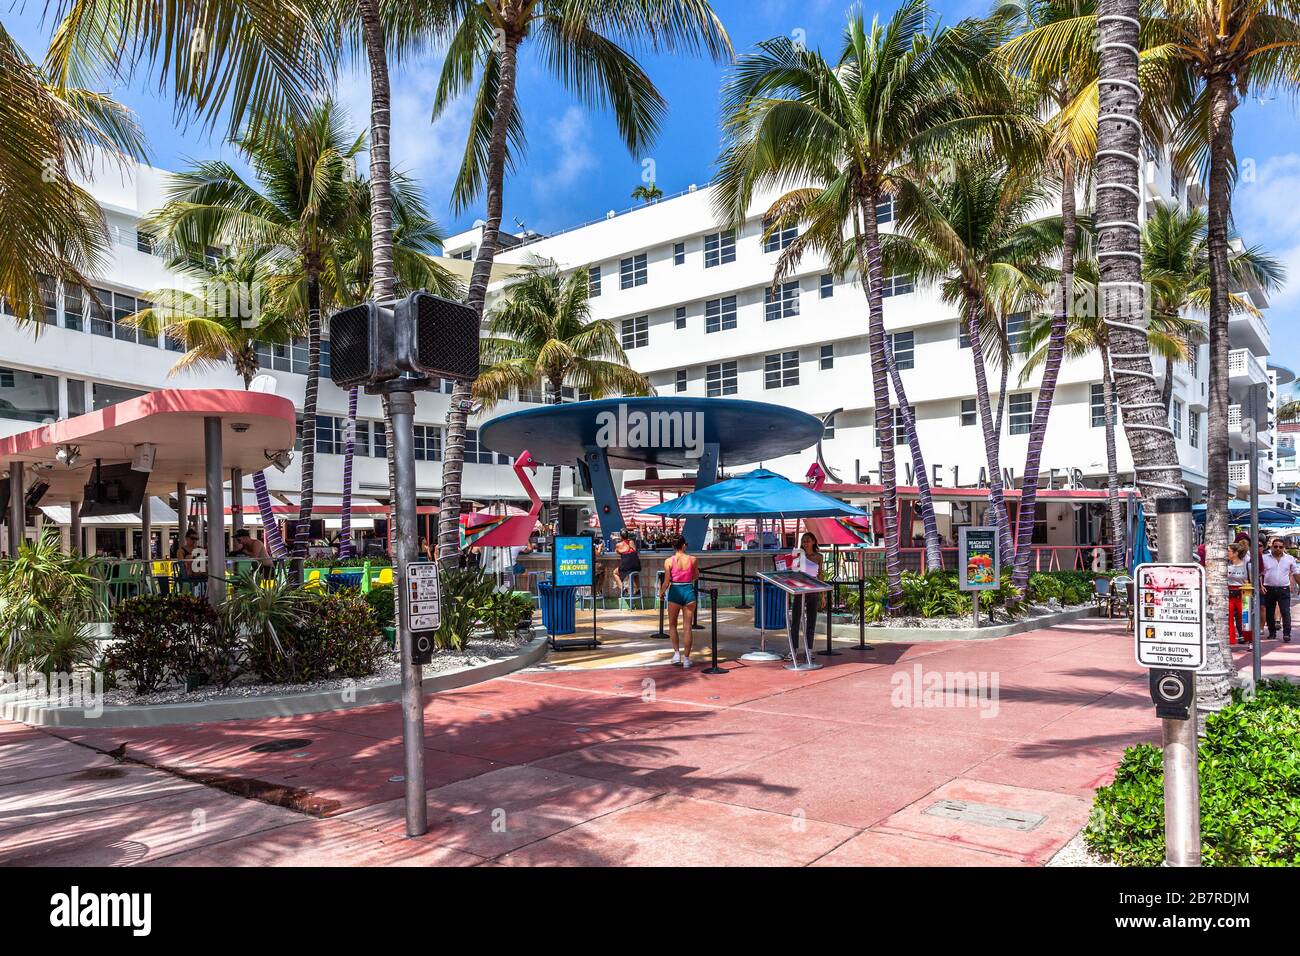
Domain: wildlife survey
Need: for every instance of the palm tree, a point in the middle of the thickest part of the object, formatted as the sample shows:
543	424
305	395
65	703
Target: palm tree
543	329
648	193
581	47
221	320
900	89
49	131
977	233
304	168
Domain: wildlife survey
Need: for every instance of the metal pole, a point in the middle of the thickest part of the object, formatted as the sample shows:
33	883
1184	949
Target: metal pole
1182	783
713	667
17	507
146	531
182	509
1254	555
236	498
77	545
401	410
216	511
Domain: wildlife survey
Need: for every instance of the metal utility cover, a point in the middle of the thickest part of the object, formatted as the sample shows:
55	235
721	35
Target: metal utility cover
986	816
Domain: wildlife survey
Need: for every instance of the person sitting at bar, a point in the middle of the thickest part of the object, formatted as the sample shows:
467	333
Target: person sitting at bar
185	554
808	560
248	547
629	559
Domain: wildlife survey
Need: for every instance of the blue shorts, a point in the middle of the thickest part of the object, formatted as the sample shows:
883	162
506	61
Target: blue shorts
682	594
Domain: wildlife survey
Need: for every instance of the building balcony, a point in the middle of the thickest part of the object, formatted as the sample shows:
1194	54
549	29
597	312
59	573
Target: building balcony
1245	370
1237	435
1247	331
1239	477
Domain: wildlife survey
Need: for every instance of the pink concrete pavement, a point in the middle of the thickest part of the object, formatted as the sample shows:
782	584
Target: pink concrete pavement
619	767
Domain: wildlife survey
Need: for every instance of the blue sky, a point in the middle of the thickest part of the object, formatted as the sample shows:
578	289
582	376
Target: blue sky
575	168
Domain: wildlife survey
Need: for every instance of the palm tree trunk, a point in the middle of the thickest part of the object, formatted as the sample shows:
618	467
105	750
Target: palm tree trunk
1115	508
1214	687
383	277
933	549
870	270
303	533
345	510
270	527
1047	388
453	462
1119	255
997	503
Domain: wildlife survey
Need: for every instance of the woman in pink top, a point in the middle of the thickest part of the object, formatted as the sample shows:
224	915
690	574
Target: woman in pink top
678	587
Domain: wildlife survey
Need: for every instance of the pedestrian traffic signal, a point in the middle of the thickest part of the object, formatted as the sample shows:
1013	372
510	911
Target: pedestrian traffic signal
362	346
425	335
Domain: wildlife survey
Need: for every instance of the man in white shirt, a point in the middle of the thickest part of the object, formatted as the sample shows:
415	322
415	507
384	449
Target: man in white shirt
1280	572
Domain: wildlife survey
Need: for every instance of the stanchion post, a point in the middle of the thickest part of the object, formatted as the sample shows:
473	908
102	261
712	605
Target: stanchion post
713	667
831	595
659	599
744	584
862	614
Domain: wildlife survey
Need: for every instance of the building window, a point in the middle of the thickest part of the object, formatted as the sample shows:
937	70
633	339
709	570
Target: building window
679	318
828	429
720	314
464	254
632	271
903	345
1097	404
473	451
361	438
679	254
593	282
827	285
1020	413
1193	361
73	309
567	394
1017	332
636	332
781	302
28	396
284	357
778	239
680	384
103	395
1176	418
963	334
899	433
719	248
329	435
896	285
49	299
969	415
381	440
144	242
530	394
885	211
720	379
1194	429
781	370
827	359
428	443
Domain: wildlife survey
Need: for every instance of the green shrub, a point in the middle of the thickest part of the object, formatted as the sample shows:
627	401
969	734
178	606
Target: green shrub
160	638
507	611
41	589
334	637
466	596
382	601
1250	789
58	649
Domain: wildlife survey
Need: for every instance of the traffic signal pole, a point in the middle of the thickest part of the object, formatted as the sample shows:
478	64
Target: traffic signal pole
401	411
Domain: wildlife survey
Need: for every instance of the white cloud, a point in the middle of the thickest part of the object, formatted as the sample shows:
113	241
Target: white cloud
572	156
1267	199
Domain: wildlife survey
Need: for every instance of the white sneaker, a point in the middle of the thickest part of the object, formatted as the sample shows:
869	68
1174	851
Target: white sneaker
686	662
677	657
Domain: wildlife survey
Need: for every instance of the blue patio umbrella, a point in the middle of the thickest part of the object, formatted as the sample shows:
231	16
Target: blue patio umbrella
755	494
1141	549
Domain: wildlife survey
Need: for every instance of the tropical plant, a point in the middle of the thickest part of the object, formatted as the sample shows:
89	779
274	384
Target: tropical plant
51	131
648	193
304	169
542	329
42	587
466	595
160	639
977	232
900	91
335	638
581	47
60	648
263	612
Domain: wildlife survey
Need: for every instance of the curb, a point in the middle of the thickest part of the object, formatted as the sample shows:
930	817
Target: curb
920	635
250	708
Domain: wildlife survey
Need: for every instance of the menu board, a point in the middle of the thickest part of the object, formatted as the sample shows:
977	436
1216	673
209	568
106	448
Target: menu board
795	582
979	566
574	561
1169	621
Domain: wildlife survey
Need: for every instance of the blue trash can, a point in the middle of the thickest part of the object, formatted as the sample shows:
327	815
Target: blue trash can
772	607
557	608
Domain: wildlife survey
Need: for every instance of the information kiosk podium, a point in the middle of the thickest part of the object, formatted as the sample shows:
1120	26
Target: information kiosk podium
796	584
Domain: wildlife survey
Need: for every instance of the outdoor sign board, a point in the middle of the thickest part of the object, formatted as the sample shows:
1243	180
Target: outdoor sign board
1170	617
423	599
980	565
574	561
795	582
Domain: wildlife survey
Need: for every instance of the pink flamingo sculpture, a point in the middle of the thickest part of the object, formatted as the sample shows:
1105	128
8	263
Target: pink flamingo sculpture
482	529
848	530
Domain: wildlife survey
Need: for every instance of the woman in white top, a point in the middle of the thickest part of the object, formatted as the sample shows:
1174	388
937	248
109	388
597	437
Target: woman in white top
808	560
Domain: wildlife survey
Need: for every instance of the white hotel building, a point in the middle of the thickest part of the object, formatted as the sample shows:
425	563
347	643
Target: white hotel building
697	317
